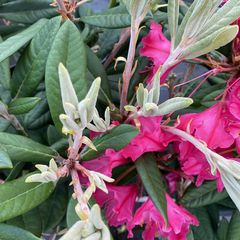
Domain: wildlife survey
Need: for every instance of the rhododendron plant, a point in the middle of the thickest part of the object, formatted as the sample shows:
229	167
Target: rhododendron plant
121	123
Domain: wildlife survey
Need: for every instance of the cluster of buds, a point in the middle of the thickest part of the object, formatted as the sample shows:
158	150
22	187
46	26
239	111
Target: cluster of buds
148	101
83	114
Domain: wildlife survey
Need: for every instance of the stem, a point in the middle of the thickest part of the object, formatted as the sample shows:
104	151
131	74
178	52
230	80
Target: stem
127	74
78	191
122	176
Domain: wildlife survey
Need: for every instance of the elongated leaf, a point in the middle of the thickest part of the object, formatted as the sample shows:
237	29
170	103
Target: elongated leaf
202	196
14	43
30	68
224	16
18	197
38	116
97	70
27	11
5	161
234	227
54	209
117	138
23	149
117	17
4	79
204	230
153	182
173	15
22	105
184	23
222	230
68	48
8	232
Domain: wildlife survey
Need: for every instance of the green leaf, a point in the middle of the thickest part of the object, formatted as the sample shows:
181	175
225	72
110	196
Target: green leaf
234	227
27	11
153	182
208	100
8	232
69	49
40	115
23	149
204	230
117	17
30	67
5	161
213	41
14	43
22	105
18	197
173	15
30	221
72	216
226	15
97	70
202	196
54	209
222	230
5	79
117	139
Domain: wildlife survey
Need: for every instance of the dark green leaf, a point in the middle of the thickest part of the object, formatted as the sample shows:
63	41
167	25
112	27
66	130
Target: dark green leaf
68	48
5	161
234	227
222	230
202	196
117	17
8	232
97	70
40	115
153	182
54	209
22	105
204	230
18	197
117	138
14	43
27	11
30	68
23	149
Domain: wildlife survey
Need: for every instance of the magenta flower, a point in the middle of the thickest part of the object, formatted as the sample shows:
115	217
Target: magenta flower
178	217
150	139
156	47
118	203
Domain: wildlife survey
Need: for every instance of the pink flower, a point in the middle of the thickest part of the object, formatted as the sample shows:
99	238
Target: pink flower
179	220
150	139
172	181
118	203
211	127
106	162
156	47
